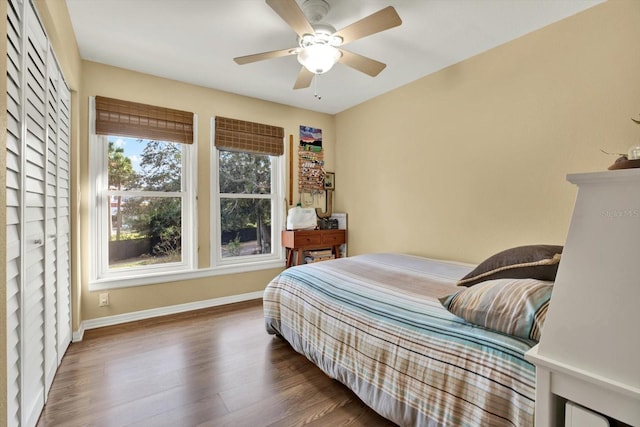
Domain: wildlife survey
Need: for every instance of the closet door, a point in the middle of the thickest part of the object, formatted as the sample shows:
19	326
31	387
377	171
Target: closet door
38	286
57	278
51	227
34	178
63	241
14	207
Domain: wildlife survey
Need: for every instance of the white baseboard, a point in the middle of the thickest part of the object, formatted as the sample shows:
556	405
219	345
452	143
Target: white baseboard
161	311
79	334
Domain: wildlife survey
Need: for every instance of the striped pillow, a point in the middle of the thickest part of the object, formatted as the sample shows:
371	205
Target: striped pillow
513	306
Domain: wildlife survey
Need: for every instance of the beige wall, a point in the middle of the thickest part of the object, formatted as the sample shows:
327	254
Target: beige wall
98	79
473	159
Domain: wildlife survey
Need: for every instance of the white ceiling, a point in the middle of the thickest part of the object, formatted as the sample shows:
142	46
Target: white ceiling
195	41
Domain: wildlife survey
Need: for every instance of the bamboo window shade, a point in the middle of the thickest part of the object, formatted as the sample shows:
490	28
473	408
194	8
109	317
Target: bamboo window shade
134	120
239	135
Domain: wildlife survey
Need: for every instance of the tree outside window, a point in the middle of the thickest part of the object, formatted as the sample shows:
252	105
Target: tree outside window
245	203
145	197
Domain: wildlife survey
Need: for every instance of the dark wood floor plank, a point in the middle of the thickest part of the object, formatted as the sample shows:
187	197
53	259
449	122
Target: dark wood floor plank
212	367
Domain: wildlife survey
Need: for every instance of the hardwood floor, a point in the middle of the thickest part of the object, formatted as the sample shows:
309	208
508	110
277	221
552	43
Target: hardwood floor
212	367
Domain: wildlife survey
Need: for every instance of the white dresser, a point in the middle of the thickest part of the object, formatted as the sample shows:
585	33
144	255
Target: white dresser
589	352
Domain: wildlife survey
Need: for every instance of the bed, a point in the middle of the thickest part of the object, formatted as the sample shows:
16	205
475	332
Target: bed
377	324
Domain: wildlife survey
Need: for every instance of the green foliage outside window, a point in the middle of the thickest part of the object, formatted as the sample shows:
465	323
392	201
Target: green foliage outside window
243	175
155	218
121	174
245	219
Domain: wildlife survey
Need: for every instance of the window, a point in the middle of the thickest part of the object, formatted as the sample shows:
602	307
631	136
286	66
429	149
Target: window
145	202
143	220
247	194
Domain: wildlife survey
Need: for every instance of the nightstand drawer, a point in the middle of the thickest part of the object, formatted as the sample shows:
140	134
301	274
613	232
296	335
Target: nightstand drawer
333	237
307	239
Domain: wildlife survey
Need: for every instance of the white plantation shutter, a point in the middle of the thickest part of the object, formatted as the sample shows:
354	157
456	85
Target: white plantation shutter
51	225
15	21
32	349
38	288
63	252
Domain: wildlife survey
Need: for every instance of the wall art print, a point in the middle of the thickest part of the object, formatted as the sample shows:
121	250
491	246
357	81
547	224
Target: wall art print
310	138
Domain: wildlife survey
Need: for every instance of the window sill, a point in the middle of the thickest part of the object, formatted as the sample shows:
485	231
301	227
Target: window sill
153	279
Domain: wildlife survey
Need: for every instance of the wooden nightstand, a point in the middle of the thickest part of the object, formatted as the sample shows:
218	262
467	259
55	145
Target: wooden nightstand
299	241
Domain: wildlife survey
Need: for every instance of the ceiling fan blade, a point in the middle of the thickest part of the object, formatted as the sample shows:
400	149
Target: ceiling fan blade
305	77
241	60
361	63
381	20
292	15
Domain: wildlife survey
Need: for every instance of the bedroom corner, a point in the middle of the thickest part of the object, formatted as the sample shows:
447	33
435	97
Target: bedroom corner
473	159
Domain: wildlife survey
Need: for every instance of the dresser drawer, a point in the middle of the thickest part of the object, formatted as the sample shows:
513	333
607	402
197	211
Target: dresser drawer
307	239
313	238
333	238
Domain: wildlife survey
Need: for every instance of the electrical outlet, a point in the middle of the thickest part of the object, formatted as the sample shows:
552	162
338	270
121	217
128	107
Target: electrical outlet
103	299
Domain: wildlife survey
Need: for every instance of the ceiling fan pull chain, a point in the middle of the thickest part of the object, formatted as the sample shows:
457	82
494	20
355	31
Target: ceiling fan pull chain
315	87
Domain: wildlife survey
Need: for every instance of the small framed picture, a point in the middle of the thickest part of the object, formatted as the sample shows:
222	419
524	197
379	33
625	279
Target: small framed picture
329	181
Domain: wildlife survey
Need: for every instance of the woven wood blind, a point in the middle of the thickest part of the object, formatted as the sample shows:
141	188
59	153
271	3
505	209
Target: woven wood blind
124	118
238	135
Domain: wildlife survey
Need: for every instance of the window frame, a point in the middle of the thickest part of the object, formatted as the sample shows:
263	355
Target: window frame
244	263
101	276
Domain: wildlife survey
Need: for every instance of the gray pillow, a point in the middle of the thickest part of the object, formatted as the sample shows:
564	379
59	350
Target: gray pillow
523	262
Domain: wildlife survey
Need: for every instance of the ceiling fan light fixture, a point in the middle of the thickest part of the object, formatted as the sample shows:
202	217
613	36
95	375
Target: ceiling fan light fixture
319	44
318	58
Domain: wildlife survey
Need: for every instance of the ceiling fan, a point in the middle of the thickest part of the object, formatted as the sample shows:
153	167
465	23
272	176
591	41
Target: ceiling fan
320	45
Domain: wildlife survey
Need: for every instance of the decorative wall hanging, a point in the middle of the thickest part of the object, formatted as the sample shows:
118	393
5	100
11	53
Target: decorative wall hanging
329	181
329	206
310	138
310	172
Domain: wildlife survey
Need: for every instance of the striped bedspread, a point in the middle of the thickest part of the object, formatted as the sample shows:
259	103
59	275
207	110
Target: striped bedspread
374	323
